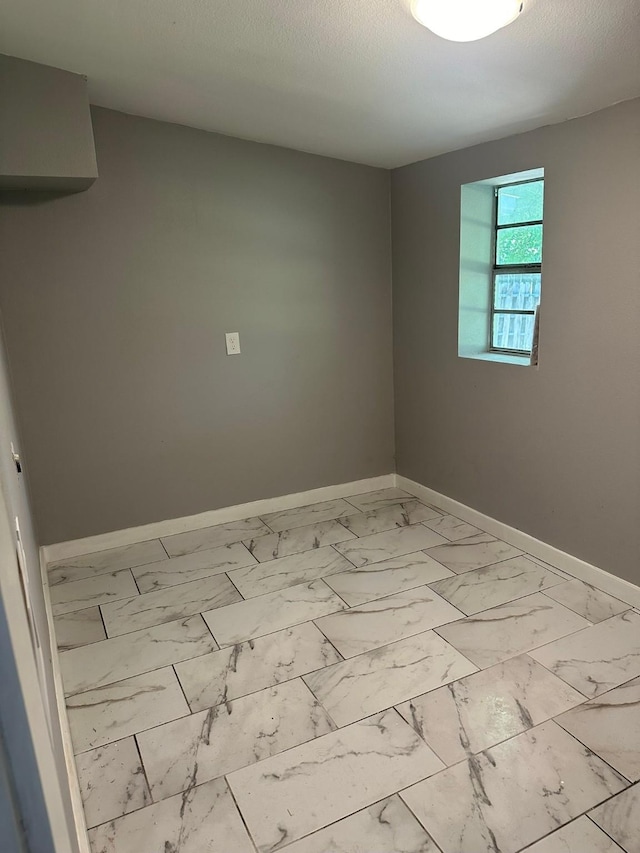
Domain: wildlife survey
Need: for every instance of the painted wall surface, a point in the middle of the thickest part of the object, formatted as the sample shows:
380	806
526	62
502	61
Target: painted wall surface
116	302
553	450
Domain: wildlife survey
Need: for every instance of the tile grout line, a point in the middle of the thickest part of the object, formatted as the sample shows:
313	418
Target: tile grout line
235	802
588	816
242	598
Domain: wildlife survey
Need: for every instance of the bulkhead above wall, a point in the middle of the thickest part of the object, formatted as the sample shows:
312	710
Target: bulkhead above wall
46	137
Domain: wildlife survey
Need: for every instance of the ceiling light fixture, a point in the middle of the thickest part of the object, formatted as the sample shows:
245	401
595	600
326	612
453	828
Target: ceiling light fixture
465	20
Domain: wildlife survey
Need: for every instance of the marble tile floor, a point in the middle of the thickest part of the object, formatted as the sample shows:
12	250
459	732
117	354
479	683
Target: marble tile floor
361	675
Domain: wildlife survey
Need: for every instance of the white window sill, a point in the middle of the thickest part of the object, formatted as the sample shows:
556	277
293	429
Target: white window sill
502	357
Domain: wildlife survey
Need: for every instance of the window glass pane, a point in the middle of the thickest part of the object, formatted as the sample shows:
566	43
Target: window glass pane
520	202
519	245
517	291
512	331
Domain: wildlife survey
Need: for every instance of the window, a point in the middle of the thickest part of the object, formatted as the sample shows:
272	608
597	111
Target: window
517	266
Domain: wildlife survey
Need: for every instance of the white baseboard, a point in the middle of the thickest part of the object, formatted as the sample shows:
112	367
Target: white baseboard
618	587
72	773
116	538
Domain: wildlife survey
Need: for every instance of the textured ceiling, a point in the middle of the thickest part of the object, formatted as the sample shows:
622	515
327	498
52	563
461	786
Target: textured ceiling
355	79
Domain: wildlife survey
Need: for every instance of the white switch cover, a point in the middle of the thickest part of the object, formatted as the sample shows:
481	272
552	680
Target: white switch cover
233	343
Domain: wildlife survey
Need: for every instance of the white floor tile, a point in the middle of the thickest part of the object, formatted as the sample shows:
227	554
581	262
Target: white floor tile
481	589
588	601
391	543
272	612
112	781
307	788
132	654
301	516
579	836
113	712
79	628
213	537
379	499
386	827
377	580
596	660
363	685
111	560
386	620
474	552
89	592
167	605
254	665
288	542
261	578
192	567
620	818
509	629
212	743
610	727
389	517
488	707
512	794
205	819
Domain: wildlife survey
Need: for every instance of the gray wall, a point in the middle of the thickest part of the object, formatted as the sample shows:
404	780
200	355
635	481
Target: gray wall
46	140
553	451
116	302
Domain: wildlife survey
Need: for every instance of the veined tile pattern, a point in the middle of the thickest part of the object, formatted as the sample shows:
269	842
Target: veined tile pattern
620	818
452	528
474	552
88	592
251	666
212	743
79	628
588	601
386	620
112	781
300	791
386	827
390	543
488	707
389	517
203	819
260	578
508	630
363	685
213	537
381	498
272	612
93	666
579	836
113	712
192	567
594	661
100	562
299	539
481	589
303	515
167	605
610	727
512	794
340	791
377	580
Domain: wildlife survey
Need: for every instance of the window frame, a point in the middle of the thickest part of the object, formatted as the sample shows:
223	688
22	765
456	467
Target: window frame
507	269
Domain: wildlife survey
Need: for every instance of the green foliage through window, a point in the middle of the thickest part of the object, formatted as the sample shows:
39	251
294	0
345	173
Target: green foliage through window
518	244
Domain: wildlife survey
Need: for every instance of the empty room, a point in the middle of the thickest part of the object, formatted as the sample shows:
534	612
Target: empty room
320	426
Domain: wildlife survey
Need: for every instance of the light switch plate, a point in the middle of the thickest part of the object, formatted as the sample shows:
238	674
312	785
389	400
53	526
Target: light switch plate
232	340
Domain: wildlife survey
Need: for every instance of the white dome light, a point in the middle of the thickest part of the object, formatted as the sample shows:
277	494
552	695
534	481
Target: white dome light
465	20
